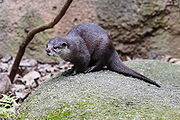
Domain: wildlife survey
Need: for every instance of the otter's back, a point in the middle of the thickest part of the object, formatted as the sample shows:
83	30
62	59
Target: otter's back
88	31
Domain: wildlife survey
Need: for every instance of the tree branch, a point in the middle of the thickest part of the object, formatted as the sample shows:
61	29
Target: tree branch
30	36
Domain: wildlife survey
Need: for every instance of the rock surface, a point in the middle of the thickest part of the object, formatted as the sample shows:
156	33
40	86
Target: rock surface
137	27
18	17
141	27
5	83
108	95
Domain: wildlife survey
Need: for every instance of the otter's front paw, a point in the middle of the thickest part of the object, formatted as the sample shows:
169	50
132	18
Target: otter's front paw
69	72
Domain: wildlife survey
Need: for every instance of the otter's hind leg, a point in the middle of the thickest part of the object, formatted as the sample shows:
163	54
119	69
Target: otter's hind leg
98	66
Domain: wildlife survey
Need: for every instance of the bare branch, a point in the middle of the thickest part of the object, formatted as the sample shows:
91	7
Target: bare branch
31	35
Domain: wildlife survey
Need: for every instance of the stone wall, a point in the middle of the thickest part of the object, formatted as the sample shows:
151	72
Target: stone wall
141	26
137	27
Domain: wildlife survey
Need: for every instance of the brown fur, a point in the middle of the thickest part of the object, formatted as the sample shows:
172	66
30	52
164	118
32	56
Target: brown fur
90	49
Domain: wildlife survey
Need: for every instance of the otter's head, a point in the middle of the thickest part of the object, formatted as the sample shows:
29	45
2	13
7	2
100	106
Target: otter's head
57	47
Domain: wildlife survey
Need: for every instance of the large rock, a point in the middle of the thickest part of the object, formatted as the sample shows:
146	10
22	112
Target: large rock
4	29
37	46
136	26
141	26
5	84
108	95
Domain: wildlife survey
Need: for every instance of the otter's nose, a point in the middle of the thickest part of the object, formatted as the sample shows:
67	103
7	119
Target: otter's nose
48	51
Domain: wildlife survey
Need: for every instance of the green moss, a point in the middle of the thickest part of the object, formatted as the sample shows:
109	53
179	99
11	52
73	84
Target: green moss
64	111
98	108
159	32
57	114
105	95
21	116
150	112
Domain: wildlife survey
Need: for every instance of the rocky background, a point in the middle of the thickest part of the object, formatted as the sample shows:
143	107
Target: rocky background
139	28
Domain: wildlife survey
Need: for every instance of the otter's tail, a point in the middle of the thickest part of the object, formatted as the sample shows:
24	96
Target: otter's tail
116	65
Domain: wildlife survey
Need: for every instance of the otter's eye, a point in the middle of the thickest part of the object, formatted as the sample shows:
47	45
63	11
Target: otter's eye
56	47
64	45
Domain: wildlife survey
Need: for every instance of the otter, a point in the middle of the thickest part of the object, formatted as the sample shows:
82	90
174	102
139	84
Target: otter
90	48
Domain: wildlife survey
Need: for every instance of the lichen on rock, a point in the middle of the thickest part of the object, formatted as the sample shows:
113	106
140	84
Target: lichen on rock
108	95
36	47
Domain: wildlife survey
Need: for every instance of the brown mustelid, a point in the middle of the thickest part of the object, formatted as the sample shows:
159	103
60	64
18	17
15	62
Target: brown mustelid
89	48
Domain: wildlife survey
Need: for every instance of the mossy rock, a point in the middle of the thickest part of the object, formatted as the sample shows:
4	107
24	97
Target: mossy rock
36	48
108	95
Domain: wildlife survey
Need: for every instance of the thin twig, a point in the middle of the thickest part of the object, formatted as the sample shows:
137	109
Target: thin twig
30	36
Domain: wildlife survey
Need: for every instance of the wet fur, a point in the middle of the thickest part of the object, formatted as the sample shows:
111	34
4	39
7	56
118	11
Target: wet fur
91	49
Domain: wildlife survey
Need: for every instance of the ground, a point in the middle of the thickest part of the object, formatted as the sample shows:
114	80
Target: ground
109	95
